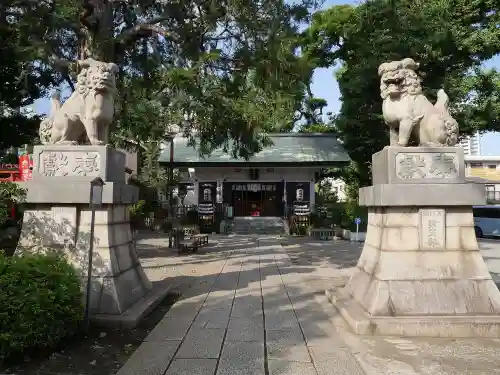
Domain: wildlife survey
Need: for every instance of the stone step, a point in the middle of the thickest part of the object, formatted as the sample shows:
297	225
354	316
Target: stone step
258	225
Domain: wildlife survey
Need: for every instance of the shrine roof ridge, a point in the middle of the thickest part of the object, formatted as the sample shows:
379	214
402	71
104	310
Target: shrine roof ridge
288	149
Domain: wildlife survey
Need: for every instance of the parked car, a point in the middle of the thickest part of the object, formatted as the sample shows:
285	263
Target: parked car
487	221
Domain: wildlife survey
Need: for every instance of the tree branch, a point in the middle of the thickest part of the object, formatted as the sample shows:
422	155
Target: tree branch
129	141
144	30
64	67
70	82
61	65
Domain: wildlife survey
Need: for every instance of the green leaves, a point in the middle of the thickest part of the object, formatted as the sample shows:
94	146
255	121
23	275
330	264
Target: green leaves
223	69
40	303
230	73
450	38
30	31
10	193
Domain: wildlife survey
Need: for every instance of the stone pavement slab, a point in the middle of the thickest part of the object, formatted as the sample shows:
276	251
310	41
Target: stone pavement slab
283	367
287	345
151	358
201	343
192	366
250	309
246	329
245	358
170	329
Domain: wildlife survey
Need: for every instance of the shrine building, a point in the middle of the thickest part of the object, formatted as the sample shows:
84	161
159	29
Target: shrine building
272	179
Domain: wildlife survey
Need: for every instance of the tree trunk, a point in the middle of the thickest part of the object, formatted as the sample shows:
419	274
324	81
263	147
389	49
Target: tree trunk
97	34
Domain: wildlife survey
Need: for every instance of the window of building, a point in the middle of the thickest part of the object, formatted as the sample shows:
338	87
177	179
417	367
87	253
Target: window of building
475	165
492	193
492	166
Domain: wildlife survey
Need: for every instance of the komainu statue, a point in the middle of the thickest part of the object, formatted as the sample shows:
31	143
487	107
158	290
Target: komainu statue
408	112
88	111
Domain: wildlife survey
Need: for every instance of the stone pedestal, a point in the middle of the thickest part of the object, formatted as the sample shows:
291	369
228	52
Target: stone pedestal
58	218
420	272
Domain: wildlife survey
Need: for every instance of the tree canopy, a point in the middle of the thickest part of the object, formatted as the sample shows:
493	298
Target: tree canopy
234	70
225	70
22	81
450	39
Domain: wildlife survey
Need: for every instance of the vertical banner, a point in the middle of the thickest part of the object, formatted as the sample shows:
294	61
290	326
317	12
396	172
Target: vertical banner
218	196
26	167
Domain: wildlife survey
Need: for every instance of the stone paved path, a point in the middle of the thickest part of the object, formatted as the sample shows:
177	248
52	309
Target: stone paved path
255	305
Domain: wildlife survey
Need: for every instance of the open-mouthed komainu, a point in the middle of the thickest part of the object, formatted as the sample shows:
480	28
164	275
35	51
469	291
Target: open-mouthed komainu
88	111
407	111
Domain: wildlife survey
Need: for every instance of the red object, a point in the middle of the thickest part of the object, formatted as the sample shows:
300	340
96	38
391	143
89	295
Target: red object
256	211
9	173
25	167
9	176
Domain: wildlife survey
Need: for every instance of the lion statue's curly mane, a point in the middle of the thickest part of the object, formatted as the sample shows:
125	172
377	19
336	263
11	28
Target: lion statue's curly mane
408	112
88	111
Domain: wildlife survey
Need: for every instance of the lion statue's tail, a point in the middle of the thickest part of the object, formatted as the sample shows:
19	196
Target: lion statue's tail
451	125
45	129
55	102
442	101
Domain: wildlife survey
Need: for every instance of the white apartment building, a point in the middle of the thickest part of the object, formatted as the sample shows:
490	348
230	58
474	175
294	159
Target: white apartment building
471	145
338	187
485	170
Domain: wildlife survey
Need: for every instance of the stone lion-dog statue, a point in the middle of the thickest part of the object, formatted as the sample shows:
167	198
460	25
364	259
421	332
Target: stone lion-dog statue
88	111
408	112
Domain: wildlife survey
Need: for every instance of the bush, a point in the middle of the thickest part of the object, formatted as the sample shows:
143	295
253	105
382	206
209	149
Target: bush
137	209
353	210
41	303
10	193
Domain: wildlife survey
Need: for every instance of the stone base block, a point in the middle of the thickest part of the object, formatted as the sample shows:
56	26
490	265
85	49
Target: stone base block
78	163
139	310
421	195
421	274
52	191
118	280
418	165
458	326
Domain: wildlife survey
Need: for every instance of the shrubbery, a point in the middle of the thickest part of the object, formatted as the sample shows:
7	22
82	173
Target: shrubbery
40	303
137	209
10	193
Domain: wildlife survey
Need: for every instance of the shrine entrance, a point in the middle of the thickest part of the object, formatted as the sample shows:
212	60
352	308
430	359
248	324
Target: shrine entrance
257	199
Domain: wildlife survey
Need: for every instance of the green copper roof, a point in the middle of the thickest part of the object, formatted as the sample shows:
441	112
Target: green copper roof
287	148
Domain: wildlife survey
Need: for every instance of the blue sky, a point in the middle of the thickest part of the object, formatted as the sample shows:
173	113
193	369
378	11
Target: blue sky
325	86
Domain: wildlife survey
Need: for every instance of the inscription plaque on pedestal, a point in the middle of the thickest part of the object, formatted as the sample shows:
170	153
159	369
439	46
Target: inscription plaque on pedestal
422	165
79	164
69	163
432	228
418	165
